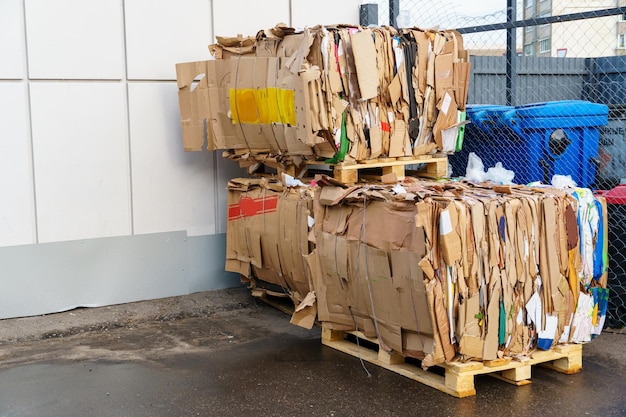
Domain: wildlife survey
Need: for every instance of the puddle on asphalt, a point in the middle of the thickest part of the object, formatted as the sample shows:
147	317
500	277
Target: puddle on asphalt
88	388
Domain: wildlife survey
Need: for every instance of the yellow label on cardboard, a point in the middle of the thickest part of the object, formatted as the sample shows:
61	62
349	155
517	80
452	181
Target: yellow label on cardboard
263	106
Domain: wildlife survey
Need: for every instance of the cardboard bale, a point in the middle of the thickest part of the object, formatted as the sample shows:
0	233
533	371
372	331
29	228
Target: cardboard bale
328	90
368	277
267	234
455	269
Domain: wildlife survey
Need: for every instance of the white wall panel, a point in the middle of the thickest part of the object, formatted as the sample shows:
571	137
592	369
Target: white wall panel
247	17
11	39
172	189
80	143
17	215
325	12
162	33
75	39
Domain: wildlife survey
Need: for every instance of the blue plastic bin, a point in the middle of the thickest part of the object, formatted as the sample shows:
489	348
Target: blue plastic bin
559	137
537	141
485	125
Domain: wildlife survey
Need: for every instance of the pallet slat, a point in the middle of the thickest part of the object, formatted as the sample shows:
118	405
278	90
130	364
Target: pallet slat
459	376
435	168
348	172
274	299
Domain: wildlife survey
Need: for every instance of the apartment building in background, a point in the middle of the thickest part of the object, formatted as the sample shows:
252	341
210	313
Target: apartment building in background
604	36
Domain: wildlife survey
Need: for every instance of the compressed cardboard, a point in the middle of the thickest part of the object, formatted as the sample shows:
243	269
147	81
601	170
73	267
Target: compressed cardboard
364	51
193	98
445	128
291	95
267	238
369	275
410	291
471	343
222	130
332	283
439	271
444	74
451	271
229	47
450	240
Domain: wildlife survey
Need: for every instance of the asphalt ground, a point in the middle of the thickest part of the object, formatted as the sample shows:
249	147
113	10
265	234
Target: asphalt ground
224	353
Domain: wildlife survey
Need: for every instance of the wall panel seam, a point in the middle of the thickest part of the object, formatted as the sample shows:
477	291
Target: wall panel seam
30	125
128	131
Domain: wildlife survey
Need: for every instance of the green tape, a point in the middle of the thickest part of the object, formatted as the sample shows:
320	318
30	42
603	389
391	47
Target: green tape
344	144
461	135
502	329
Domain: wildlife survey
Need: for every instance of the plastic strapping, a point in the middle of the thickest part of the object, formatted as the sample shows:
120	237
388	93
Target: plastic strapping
285	287
358	343
336	239
301	249
417	327
367	277
243	133
280	114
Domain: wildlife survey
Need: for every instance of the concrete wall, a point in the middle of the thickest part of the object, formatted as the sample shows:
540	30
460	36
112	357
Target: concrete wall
100	205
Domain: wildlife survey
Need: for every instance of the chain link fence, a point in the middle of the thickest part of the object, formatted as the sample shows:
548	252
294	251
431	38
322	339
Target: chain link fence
547	95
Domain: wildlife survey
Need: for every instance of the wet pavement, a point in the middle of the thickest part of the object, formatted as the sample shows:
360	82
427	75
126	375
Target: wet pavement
247	360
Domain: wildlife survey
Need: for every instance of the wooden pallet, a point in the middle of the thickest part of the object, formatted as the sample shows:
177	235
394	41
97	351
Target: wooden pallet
348	172
458	379
280	301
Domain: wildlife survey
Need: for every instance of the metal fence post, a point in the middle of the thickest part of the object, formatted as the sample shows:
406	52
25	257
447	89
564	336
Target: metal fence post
394	11
511	53
368	14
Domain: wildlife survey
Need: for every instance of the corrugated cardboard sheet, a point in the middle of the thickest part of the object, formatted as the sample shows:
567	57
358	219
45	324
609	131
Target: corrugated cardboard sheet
290	95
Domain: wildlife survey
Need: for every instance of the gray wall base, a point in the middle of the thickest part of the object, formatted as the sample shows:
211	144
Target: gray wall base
53	277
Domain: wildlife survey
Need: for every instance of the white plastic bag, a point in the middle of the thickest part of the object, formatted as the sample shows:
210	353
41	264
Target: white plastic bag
475	170
500	174
563	181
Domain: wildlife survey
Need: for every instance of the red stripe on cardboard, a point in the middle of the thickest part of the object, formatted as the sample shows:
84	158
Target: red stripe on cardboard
249	207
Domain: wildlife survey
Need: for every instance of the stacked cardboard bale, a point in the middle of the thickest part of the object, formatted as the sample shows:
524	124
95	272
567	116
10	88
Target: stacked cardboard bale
267	235
480	271
434	270
338	92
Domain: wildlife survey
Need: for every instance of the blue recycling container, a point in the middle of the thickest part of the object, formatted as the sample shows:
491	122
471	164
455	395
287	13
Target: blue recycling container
537	141
485	125
558	137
